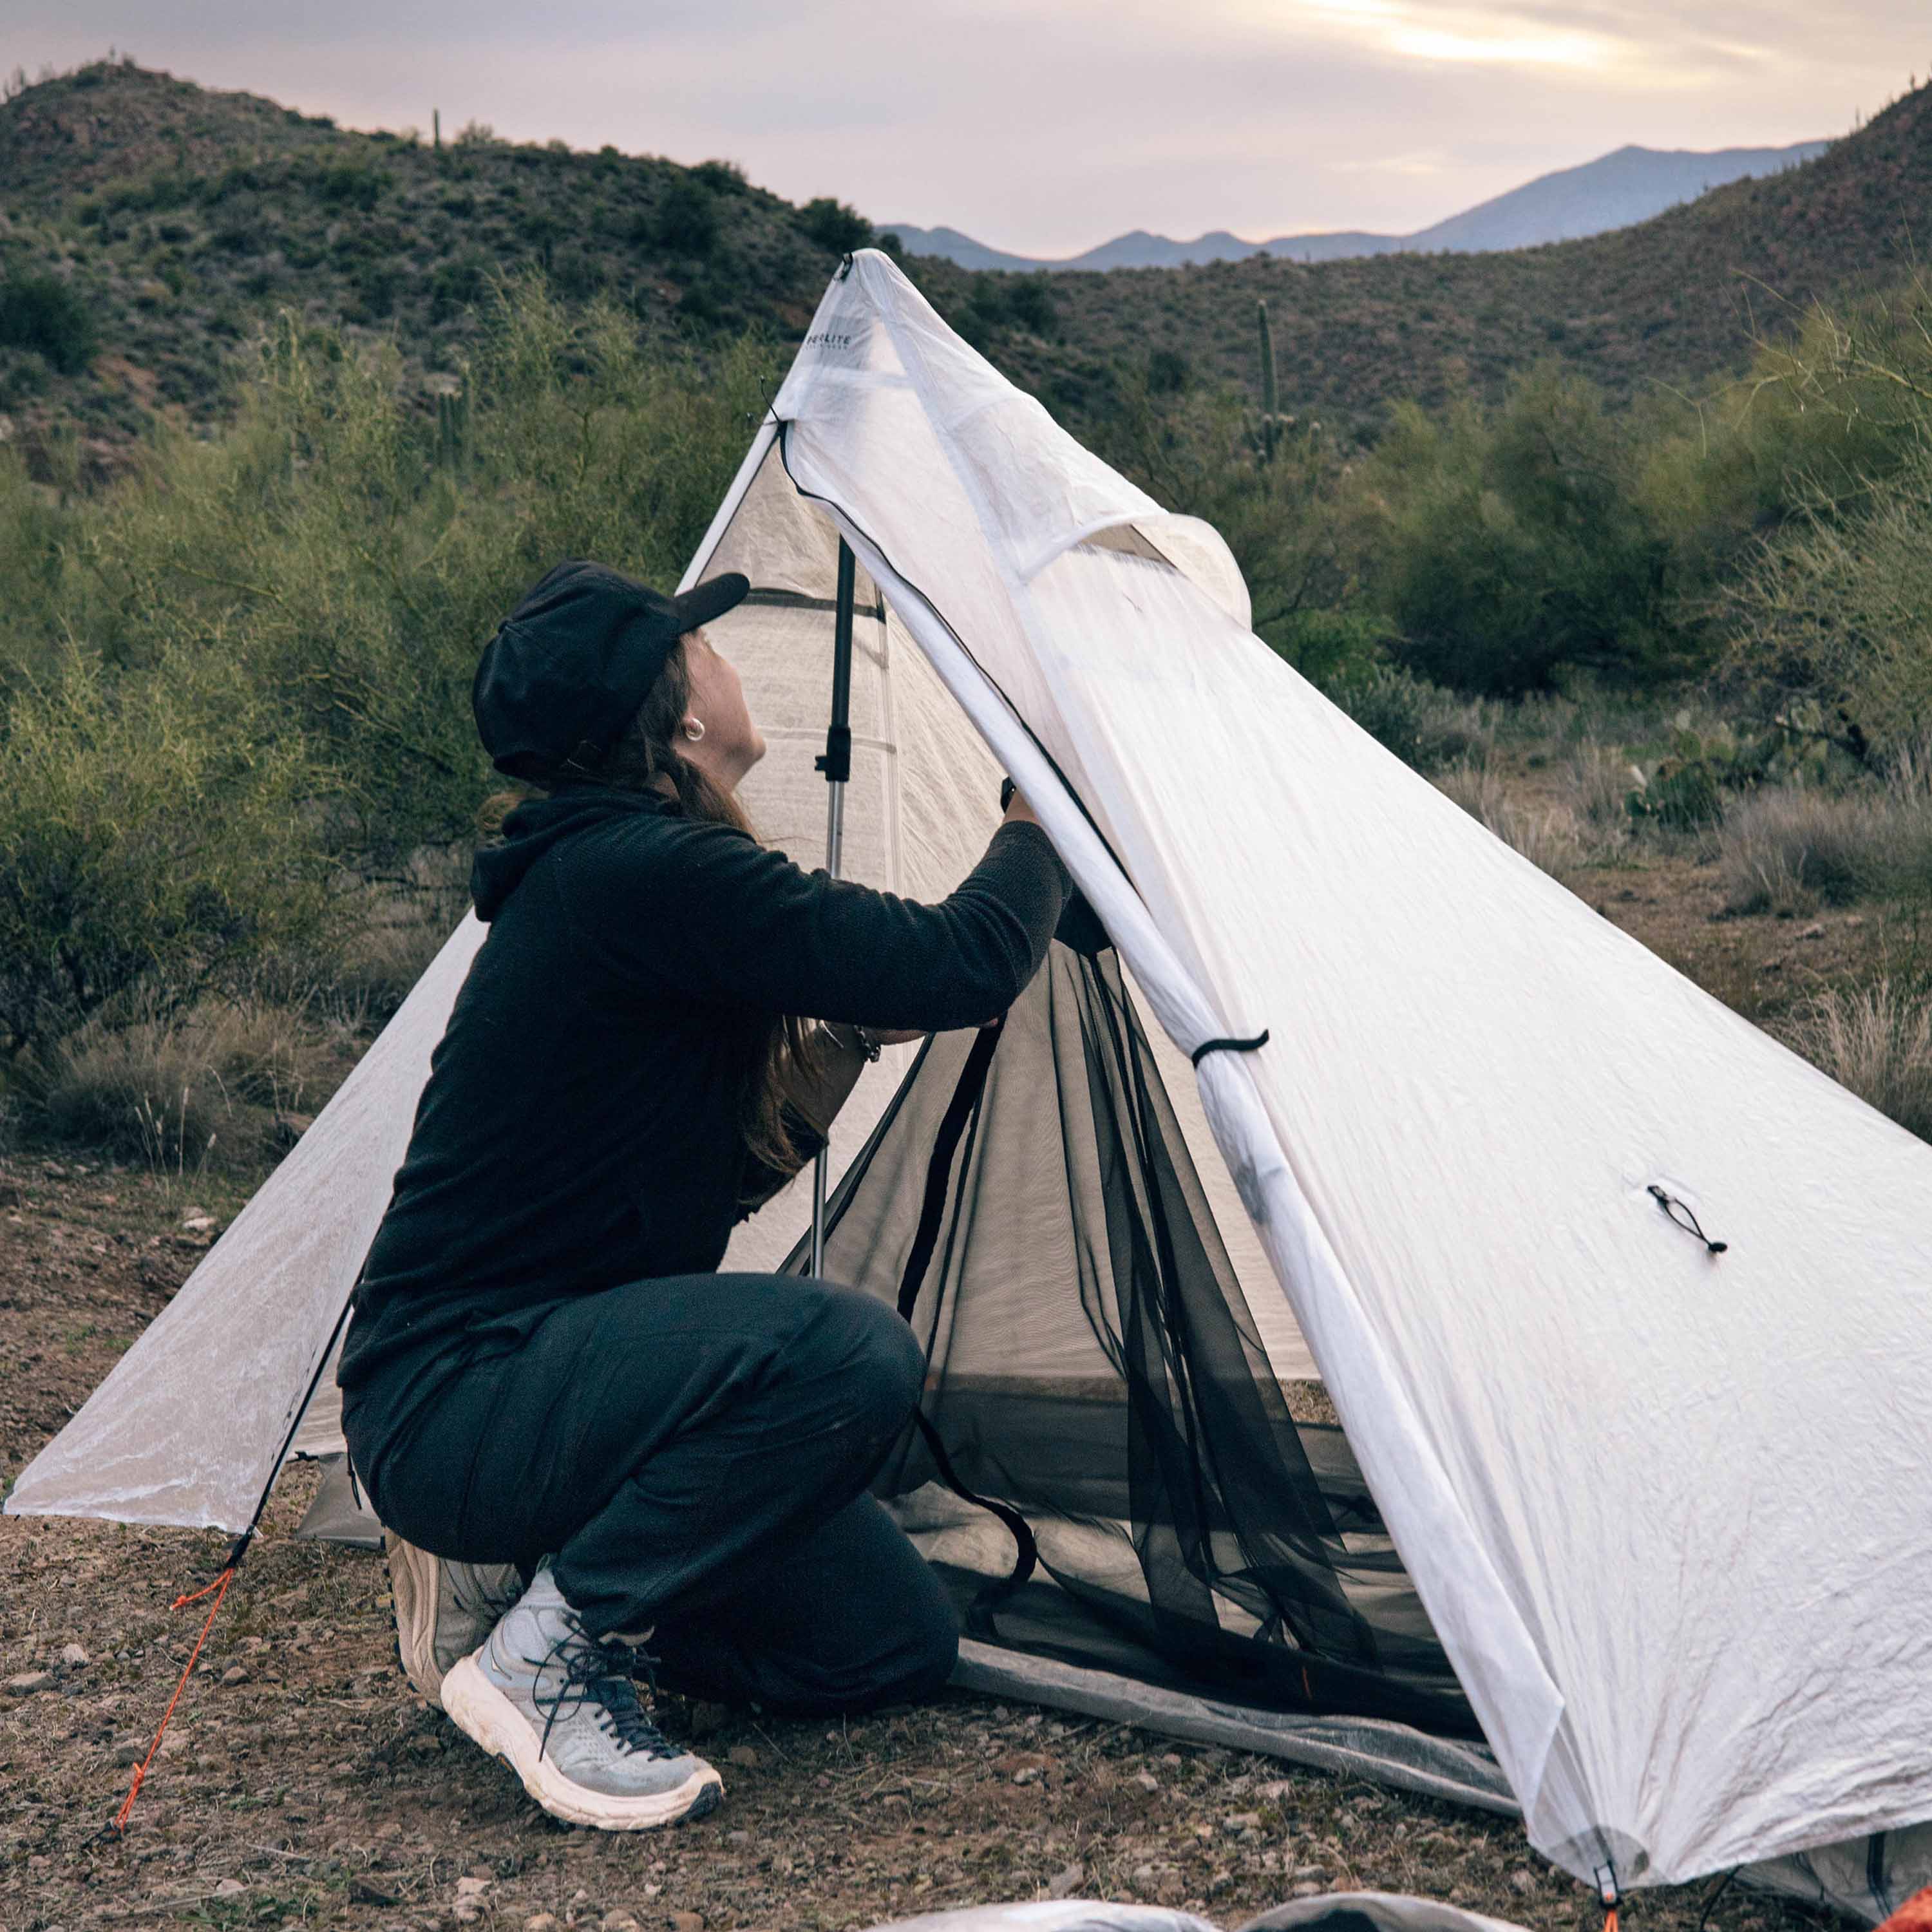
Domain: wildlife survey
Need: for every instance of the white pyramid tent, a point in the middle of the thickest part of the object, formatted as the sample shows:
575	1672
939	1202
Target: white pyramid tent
1666	1509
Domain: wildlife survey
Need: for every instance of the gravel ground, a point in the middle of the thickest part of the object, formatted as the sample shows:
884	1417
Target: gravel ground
302	1780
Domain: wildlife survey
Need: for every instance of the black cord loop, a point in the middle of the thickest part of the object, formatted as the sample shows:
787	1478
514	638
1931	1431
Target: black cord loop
1673	1206
1208	1046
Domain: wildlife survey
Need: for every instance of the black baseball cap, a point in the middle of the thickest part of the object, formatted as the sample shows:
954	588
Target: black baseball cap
569	666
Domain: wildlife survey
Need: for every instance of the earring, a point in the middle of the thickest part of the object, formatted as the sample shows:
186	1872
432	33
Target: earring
694	729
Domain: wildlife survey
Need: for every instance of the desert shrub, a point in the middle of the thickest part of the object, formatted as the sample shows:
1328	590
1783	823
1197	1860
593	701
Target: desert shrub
243	676
33	531
1829	604
1600	780
1508	544
721	177
50	316
457	283
224	1083
154	836
351	184
25	373
1332	647
1031	306
1548	837
1193	451
1838	609
1168	372
686	220
1682	793
1786	849
1877	1042
1424	726
834	225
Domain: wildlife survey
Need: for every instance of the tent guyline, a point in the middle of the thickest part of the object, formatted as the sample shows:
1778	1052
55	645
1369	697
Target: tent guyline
1673	1207
238	1550
1293	1433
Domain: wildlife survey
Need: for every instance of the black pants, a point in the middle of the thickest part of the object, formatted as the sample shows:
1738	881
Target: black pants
692	1452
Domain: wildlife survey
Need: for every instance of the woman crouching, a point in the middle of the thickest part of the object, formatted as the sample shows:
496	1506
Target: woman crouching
544	1369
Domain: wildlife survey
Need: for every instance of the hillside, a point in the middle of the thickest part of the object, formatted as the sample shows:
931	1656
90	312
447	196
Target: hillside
148	227
1612	191
183	218
1677	298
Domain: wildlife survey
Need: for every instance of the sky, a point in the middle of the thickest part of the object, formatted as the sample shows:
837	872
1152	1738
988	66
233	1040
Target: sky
1047	126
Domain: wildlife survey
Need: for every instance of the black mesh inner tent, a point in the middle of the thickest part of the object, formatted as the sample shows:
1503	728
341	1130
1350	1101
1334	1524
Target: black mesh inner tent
1029	1203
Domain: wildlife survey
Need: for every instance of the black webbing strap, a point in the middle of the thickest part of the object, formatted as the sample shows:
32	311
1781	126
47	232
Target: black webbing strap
1208	1046
1875	1873
939	1169
959	1110
1026	1549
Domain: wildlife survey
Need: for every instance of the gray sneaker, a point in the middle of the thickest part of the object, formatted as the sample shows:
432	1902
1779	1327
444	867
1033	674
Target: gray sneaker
444	1609
560	1708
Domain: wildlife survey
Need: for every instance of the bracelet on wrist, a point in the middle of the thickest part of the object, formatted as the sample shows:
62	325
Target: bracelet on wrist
850	1037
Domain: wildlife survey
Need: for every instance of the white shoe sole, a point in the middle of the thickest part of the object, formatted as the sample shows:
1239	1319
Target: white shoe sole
481	1711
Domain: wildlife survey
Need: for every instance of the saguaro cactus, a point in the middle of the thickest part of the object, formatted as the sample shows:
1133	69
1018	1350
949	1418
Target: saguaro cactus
1271	398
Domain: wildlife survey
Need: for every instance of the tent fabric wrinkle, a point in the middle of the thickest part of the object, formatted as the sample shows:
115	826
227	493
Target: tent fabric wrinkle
1654	1519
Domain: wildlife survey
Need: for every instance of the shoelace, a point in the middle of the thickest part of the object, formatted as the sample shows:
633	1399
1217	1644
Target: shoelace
599	1674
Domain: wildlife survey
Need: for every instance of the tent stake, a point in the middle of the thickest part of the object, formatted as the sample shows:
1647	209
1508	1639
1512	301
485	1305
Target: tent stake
836	764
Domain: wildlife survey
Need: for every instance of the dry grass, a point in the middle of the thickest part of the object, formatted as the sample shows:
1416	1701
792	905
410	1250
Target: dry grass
225	1084
1878	1042
1601	778
1550	837
393	927
1787	850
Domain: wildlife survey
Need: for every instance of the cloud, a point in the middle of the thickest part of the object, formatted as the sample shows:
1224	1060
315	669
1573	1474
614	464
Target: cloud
1650	47
1419	161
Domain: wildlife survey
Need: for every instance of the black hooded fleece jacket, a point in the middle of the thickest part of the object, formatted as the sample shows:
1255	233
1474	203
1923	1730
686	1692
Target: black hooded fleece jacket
579	1129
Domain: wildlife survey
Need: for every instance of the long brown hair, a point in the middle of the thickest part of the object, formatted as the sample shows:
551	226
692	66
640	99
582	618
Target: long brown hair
778	1057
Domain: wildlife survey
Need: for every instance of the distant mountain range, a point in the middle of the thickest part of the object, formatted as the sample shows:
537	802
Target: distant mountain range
185	220
1615	191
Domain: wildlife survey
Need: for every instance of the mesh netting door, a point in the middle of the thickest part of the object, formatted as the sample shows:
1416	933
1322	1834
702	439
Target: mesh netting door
1029	1204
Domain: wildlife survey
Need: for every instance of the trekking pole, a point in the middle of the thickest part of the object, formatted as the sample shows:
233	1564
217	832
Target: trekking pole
836	764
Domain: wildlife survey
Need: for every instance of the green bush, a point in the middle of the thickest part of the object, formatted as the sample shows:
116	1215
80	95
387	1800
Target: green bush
833	225
1031	306
1508	544
1836	608
43	313
1426	726
686	220
154	836
238	682
1168	372
1332	647
1284	519
720	177
25	373
351	184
